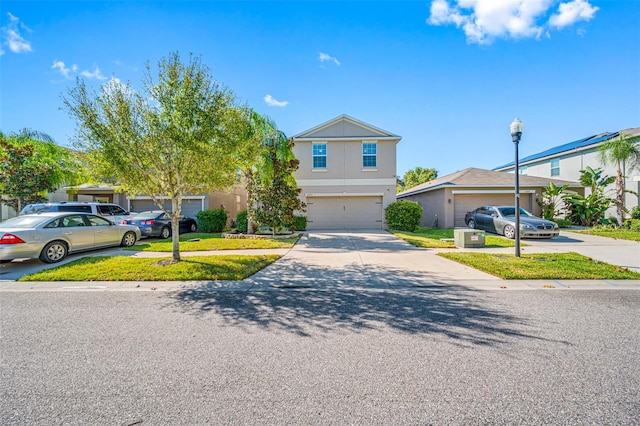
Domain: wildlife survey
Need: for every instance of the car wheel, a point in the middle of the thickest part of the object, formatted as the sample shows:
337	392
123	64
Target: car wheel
165	232
509	232
128	239
471	224
54	252
193	228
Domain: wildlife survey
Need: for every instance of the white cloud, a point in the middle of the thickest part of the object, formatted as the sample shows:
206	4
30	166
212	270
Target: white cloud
273	102
93	74
116	86
12	38
484	20
572	12
66	72
325	57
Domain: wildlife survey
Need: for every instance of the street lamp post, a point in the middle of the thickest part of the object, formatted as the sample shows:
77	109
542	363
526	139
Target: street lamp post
516	132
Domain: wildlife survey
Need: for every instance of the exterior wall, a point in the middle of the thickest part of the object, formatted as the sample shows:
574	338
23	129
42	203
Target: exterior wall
233	201
433	205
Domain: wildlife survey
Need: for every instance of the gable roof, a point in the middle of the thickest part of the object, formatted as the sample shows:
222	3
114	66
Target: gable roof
473	177
579	145
345	127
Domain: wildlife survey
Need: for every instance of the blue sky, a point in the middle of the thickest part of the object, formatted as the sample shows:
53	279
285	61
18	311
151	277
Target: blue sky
448	76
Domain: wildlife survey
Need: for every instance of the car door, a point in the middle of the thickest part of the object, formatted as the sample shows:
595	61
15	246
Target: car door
77	232
106	233
482	218
493	220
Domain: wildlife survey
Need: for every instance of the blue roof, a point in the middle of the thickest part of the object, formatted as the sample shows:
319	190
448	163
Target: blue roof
581	143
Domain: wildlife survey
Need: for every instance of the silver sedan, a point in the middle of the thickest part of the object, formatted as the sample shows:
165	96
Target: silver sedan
51	236
502	220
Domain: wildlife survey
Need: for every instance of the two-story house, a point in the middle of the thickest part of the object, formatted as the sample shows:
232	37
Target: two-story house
567	160
347	173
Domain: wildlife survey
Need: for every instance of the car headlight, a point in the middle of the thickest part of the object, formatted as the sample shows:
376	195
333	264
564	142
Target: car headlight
555	226
527	227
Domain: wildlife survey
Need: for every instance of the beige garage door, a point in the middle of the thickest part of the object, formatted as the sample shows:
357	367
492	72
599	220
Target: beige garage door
190	206
344	213
468	202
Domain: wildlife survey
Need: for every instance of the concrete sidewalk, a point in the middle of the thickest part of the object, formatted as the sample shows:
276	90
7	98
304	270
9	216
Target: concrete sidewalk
374	260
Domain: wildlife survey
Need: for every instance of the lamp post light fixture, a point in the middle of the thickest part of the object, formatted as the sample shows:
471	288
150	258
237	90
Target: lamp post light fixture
516	132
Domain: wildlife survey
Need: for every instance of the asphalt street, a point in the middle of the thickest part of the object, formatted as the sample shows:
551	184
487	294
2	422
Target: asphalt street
440	355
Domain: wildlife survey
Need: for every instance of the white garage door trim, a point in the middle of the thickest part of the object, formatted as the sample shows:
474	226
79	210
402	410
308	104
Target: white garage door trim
344	211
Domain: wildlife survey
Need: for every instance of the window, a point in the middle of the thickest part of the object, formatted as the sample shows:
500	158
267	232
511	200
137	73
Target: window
369	151
523	170
555	167
319	155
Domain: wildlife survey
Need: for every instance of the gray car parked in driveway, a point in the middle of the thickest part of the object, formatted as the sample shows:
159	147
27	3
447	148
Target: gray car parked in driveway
51	236
502	220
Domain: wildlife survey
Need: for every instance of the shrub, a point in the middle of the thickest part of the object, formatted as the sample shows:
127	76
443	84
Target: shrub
632	225
242	222
299	224
212	220
403	215
635	213
563	223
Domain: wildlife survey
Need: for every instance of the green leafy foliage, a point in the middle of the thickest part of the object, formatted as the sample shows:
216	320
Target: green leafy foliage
415	177
589	210
212	220
242	222
635	212
550	198
299	223
182	134
403	215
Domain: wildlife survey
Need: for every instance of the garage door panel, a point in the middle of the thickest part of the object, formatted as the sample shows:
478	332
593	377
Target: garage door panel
190	207
344	212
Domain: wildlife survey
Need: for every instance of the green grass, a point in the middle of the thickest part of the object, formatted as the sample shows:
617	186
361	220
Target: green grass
430	238
561	266
122	268
212	242
617	233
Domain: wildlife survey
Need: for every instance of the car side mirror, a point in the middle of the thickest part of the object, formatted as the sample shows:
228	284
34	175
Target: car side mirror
494	214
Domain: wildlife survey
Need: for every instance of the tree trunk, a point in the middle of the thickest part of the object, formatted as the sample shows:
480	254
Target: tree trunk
619	196
176	207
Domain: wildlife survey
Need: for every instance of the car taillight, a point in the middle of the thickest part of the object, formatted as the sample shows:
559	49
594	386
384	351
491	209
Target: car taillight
124	222
10	239
148	222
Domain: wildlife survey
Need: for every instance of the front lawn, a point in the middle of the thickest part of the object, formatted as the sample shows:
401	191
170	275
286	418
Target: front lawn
122	268
547	266
206	242
431	238
618	233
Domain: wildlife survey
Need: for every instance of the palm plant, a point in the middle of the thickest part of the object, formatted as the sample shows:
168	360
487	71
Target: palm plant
621	152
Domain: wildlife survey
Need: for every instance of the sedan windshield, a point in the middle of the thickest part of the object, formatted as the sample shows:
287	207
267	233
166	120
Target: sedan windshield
511	211
147	215
25	222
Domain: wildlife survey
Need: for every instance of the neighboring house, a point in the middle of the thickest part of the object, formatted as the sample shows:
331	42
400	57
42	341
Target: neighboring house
565	162
447	199
347	173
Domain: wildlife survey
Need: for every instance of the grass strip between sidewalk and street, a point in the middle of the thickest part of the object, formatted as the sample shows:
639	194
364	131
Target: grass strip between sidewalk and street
543	266
432	238
615	233
206	242
122	268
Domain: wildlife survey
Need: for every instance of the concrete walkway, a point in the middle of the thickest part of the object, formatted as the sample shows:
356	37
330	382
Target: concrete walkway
364	260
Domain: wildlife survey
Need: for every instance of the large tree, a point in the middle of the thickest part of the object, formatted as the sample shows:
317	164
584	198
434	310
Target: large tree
623	152
415	177
273	193
182	133
31	165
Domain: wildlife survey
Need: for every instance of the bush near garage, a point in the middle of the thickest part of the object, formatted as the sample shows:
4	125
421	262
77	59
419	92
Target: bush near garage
632	225
635	213
403	215
299	224
242	222
212	220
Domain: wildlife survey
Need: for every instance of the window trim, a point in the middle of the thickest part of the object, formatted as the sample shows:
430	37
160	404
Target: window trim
319	156
369	156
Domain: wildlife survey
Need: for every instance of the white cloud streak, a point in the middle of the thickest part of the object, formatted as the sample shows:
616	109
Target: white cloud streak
325	57
485	20
64	70
12	38
269	100
93	74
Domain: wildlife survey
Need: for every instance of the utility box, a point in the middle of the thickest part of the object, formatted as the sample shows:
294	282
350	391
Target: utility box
468	238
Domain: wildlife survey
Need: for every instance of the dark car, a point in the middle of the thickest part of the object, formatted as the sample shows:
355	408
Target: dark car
502	220
158	224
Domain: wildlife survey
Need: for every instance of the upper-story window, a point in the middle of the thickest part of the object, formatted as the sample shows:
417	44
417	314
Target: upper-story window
369	154
555	167
319	155
523	170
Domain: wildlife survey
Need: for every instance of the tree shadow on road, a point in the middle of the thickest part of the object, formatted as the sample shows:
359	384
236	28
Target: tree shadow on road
306	308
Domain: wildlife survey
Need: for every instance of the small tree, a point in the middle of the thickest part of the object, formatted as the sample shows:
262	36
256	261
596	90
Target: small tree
622	152
415	177
183	134
403	215
550	198
589	210
30	168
